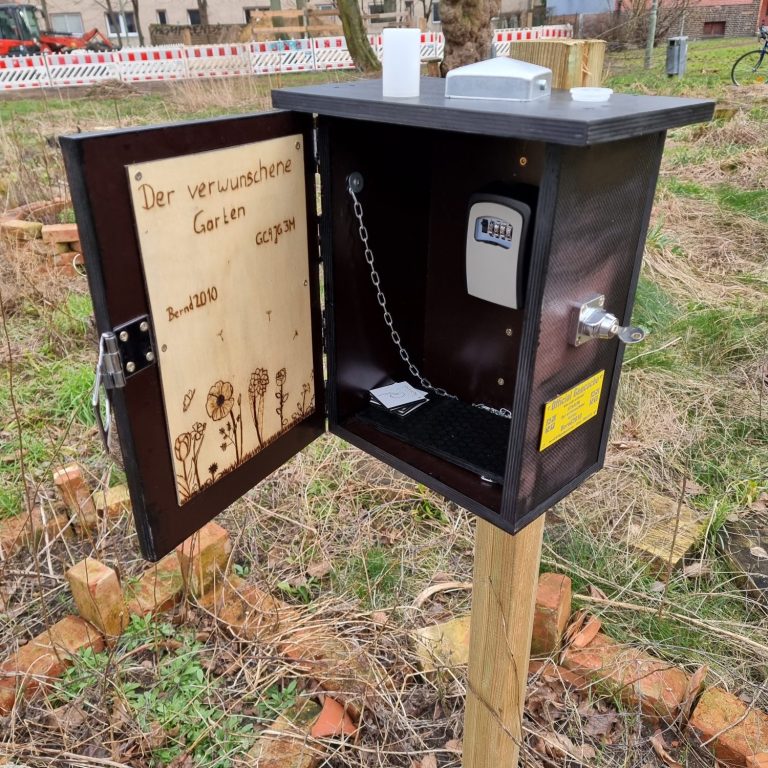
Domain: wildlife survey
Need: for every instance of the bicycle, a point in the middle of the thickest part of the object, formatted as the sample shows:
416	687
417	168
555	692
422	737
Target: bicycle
752	67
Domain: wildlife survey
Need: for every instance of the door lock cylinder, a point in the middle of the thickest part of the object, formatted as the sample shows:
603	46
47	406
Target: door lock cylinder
592	321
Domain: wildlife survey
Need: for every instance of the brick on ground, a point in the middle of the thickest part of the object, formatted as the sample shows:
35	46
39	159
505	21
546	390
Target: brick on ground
655	686
15	532
249	611
158	589
67	263
443	645
741	733
553	608
549	671
333	721
744	544
113	502
76	495
40	208
338	664
286	745
447	644
45	657
98	596
758	761
204	557
654	543
60	233
20	230
11	536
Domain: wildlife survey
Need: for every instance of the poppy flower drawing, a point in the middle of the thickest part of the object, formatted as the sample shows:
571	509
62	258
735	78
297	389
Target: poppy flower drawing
220	404
220	400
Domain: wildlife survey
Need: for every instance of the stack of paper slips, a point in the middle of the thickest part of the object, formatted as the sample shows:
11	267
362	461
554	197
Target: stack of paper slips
399	398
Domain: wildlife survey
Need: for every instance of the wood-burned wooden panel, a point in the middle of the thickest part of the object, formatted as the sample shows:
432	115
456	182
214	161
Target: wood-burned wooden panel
223	241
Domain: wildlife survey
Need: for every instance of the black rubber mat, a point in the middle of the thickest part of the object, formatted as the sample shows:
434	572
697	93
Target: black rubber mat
462	434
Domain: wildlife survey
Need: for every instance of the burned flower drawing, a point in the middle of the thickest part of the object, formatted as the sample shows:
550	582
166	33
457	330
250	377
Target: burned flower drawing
220	400
307	404
186	450
219	405
281	395
182	446
257	389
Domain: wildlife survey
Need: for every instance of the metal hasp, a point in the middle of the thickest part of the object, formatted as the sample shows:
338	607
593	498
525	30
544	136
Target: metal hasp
109	374
592	321
109	370
123	352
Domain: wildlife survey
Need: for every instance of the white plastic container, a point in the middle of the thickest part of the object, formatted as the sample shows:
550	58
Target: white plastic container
591	94
401	63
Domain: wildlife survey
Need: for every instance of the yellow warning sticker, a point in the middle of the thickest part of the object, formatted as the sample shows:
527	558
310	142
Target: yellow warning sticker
571	409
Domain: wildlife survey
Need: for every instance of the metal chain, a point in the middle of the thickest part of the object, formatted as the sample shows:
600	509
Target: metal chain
382	300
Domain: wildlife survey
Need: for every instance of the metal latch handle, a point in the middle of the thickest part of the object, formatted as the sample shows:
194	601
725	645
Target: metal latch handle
109	375
592	321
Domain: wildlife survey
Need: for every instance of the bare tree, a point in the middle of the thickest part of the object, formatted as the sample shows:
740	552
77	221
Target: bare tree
202	6
114	21
426	6
467	31
44	12
357	39
137	20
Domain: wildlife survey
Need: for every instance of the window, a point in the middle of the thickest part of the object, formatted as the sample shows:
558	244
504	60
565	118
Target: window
714	29
162	17
383	6
193	16
28	25
70	23
122	23
436	12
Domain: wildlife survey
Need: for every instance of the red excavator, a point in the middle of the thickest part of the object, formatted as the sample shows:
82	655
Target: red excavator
21	34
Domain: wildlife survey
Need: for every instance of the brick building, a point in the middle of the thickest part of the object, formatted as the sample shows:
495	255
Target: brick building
695	18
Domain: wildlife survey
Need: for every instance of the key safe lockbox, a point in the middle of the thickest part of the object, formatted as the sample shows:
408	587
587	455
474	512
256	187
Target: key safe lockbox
487	249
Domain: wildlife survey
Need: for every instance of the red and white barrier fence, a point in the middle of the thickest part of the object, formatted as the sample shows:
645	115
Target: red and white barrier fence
226	60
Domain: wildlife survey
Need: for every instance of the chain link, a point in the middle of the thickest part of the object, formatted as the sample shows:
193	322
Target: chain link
389	322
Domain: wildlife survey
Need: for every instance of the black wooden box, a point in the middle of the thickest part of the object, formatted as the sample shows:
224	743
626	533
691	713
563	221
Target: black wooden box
586	172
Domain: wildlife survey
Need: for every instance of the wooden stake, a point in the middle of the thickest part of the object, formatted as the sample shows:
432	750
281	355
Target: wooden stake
503	600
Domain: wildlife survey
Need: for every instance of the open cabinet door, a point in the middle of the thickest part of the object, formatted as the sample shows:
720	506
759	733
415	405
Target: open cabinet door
200	243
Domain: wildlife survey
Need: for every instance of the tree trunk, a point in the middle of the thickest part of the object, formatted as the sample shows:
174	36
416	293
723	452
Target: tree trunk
467	31
137	20
116	21
202	6
44	13
357	40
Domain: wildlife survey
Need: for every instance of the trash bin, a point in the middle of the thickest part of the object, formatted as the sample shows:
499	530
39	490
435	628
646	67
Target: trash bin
677	56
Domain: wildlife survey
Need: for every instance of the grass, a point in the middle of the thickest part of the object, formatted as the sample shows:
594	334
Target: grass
176	707
691	405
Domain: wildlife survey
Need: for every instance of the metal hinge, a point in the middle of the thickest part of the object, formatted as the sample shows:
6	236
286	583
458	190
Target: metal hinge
109	370
123	352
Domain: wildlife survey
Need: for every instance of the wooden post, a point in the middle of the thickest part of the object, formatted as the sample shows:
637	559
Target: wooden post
503	599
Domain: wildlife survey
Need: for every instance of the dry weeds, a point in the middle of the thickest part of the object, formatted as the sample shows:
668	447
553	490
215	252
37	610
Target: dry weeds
353	543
